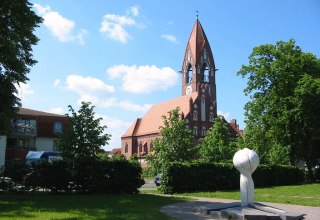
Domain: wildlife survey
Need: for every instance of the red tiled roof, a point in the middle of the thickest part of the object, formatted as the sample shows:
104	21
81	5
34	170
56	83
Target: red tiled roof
152	120
31	112
116	151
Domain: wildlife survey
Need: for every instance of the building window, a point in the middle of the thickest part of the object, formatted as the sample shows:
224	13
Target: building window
140	147
126	148
203	131
203	108
211	117
189	74
195	130
58	127
195	115
24	143
205	73
145	148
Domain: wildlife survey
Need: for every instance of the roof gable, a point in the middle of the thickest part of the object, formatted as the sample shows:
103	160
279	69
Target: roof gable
31	112
152	120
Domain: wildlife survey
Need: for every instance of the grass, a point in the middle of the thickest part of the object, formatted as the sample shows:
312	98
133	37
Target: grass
139	206
71	207
306	194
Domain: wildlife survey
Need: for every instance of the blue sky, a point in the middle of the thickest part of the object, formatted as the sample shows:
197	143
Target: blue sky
124	56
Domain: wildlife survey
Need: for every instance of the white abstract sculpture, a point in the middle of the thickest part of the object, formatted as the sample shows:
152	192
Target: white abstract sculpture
246	161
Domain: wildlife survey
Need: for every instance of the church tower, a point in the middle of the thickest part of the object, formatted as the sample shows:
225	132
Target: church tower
198	69
197	103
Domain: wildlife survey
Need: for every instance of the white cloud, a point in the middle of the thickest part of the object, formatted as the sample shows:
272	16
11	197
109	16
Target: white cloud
144	79
113	27
60	27
169	37
99	93
134	10
225	115
57	110
128	105
57	83
89	85
116	127
24	91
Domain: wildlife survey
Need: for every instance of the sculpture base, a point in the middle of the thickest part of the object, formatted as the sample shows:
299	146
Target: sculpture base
253	211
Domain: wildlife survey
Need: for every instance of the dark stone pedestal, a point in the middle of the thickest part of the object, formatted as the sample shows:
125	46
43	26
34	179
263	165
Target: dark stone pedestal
255	211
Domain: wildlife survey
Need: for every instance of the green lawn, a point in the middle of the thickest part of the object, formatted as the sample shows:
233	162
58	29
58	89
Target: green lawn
307	194
71	207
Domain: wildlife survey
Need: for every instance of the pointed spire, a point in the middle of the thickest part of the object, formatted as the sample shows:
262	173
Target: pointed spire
198	40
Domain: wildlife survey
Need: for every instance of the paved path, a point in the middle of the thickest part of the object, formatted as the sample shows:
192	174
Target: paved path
184	210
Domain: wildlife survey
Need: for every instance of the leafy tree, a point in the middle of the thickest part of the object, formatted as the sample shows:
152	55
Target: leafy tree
175	145
217	146
84	139
282	116
17	24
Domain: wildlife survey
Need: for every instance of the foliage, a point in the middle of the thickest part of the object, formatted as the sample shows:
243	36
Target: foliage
17	24
216	146
199	176
16	170
282	117
86	176
6	183
176	143
85	137
54	176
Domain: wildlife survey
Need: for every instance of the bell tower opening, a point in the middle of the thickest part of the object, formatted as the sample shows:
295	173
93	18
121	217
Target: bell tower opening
205	73
189	74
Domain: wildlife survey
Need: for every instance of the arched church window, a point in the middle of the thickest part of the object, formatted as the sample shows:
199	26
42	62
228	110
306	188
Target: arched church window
203	108
126	148
189	74
205	73
145	148
211	117
203	131
195	130
140	147
195	115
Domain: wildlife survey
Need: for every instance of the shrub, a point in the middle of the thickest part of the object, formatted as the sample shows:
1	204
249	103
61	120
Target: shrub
6	184
16	170
199	176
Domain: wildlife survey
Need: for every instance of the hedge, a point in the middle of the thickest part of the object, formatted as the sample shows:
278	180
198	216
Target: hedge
198	176
86	176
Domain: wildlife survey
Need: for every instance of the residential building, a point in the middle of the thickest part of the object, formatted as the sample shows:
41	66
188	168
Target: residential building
34	131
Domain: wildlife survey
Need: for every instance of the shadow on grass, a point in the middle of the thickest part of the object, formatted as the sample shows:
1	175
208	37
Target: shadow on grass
71	207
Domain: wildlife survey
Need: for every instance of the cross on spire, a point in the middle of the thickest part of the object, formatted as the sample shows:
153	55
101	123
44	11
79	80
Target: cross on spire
197	13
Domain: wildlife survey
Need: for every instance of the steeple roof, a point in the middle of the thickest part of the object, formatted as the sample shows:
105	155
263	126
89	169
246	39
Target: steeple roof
197	41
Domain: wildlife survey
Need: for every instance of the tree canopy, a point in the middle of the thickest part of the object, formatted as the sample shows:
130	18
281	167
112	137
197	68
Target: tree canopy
85	137
175	145
17	24
282	116
217	146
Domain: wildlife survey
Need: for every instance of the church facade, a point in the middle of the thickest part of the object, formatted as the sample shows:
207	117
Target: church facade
197	103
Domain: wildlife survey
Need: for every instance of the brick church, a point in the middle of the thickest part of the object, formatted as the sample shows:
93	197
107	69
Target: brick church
197	103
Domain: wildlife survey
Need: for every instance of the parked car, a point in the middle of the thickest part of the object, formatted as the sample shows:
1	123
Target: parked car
157	179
